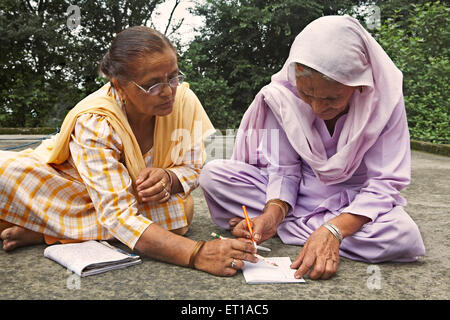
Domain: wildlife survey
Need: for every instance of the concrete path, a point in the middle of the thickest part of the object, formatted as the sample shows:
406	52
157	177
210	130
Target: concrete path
26	274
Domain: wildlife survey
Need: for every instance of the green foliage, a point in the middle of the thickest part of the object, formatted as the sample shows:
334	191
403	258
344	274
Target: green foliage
418	45
240	46
31	72
45	67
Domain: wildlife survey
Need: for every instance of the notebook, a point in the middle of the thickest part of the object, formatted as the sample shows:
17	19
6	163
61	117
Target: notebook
90	257
261	272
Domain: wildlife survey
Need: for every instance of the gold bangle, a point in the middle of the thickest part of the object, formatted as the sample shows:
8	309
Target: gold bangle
283	203
280	203
282	208
170	178
194	253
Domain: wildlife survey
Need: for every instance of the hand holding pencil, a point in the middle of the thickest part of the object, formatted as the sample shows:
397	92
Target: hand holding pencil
263	227
215	235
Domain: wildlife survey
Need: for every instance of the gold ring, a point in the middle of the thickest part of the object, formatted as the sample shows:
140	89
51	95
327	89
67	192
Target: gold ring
163	184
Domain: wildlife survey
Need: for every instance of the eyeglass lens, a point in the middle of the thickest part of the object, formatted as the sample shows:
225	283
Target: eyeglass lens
174	82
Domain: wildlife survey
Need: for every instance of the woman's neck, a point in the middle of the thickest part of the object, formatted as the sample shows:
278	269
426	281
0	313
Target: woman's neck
140	122
143	127
331	124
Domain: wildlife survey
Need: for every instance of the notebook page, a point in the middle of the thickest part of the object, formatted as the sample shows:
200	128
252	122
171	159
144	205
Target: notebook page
77	256
262	272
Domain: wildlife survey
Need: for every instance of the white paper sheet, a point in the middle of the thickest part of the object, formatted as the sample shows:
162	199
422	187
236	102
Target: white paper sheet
261	272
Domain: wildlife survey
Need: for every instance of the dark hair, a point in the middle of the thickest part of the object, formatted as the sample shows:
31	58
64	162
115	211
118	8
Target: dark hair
128	47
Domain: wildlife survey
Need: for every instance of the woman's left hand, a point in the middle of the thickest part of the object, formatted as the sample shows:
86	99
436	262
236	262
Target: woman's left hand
319	255
153	184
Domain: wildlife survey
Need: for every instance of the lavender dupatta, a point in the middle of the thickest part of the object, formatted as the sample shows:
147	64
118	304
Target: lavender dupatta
339	47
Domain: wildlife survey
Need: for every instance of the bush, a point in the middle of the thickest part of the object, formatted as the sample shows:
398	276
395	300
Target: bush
418	45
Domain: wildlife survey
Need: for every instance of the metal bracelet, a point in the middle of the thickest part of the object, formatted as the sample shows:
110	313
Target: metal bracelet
170	180
334	230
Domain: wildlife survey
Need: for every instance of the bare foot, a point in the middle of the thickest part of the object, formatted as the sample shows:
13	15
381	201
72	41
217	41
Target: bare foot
5	225
15	237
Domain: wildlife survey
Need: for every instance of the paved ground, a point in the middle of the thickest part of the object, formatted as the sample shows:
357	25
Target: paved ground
26	274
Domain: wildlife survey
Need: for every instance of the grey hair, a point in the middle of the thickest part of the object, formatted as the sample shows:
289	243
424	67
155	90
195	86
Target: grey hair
308	72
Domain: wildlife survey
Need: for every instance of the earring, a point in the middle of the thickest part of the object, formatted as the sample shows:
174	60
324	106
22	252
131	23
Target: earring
122	100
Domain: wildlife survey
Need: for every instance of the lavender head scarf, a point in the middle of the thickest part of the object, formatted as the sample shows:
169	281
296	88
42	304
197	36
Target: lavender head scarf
340	48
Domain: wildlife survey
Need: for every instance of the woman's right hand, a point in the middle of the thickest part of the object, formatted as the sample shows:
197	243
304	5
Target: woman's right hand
216	256
264	226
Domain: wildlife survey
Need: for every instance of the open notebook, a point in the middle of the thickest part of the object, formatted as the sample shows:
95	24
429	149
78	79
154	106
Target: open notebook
261	272
90	257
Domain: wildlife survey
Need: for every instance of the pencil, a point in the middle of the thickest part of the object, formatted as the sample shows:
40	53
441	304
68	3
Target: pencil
265	260
249	225
215	235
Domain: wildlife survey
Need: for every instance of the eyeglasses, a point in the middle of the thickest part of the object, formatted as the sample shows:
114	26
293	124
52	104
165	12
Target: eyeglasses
157	88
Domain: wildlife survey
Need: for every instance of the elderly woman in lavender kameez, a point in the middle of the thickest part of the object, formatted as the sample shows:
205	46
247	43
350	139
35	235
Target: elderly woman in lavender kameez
322	154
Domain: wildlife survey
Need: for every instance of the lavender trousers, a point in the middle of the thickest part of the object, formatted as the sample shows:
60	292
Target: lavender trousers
227	185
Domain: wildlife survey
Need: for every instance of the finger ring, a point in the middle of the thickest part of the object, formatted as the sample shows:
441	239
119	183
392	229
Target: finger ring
166	194
163	184
233	263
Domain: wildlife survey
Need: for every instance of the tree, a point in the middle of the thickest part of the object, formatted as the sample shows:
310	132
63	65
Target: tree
241	44
418	45
29	58
46	68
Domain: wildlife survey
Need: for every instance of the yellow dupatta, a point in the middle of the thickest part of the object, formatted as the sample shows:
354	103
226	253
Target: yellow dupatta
175	134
